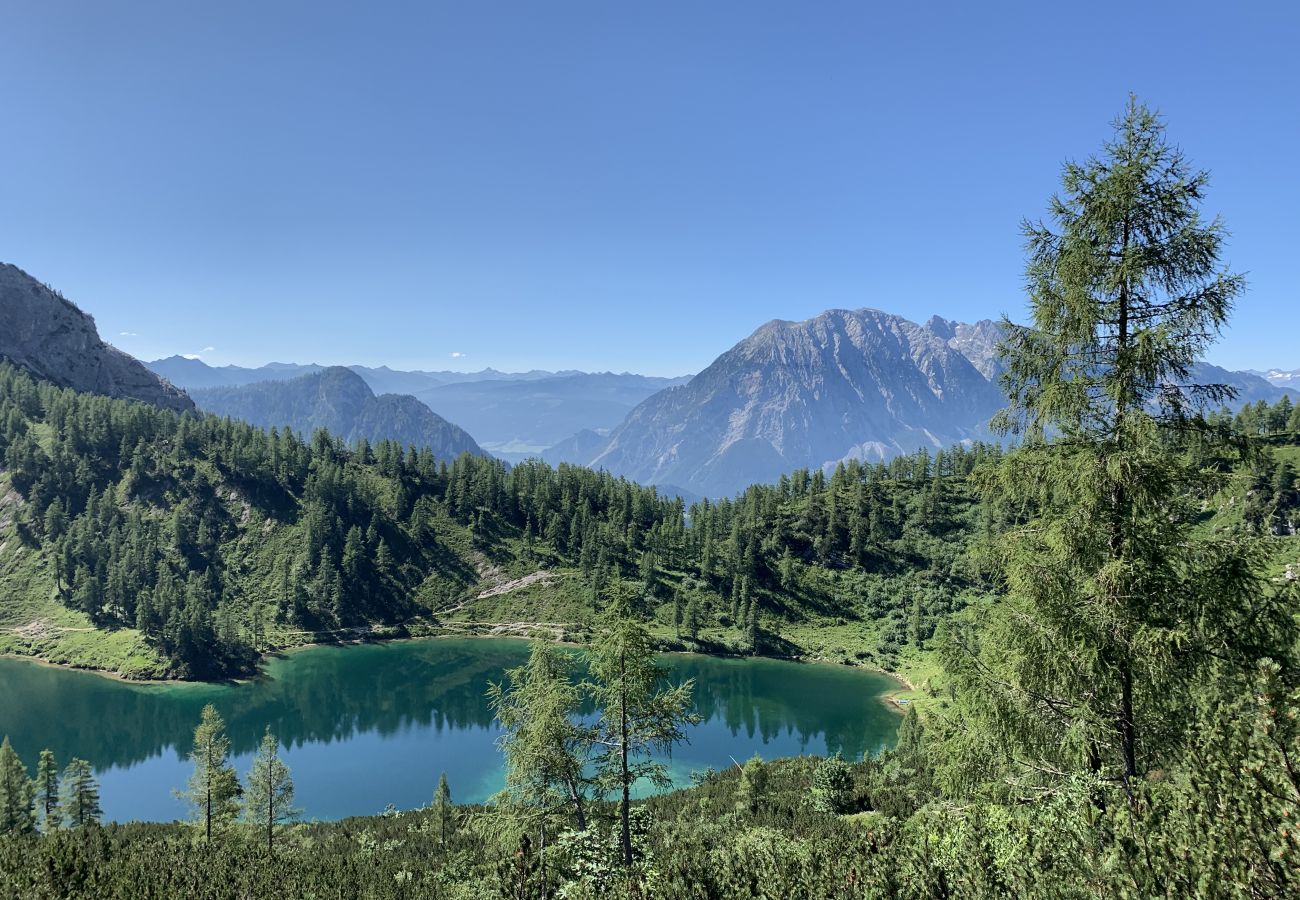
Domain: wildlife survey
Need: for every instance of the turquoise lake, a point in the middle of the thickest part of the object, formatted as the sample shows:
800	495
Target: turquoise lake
371	725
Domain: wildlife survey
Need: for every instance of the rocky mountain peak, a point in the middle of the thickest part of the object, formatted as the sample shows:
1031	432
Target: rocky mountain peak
46	334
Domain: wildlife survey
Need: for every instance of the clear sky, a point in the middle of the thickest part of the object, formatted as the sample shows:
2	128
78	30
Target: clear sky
602	185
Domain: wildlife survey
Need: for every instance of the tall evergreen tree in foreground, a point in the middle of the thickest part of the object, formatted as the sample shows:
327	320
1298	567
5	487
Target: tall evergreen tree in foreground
1117	616
545	749
79	795
213	789
47	792
16	793
638	715
268	800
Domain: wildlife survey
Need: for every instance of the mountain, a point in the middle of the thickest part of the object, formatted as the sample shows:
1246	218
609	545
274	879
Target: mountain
846	384
578	449
521	417
46	334
1249	386
1282	378
339	399
195	373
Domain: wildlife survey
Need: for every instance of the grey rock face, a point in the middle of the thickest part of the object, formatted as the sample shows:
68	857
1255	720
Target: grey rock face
846	384
47	335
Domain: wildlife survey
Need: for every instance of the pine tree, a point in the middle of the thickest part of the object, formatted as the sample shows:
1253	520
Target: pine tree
832	785
444	812
268	799
1113	614
752	786
694	617
47	792
637	716
213	789
79	796
753	632
16	793
910	733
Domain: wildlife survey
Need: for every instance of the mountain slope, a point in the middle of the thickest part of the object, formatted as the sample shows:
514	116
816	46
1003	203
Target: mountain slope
339	400
46	334
846	384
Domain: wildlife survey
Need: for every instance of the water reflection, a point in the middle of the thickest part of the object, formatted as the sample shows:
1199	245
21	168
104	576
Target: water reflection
368	725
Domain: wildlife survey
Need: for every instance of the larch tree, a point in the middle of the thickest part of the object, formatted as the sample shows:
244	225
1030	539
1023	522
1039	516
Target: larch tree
16	793
79	795
545	747
638	714
47	792
213	788
1115	612
268	798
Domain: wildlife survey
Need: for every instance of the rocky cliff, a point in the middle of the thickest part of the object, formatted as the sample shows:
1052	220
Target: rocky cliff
46	334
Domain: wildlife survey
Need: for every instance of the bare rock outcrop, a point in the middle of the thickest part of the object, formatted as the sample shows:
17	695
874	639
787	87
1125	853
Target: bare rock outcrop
46	334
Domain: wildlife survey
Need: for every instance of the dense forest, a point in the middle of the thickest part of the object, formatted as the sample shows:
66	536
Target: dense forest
215	539
1111	606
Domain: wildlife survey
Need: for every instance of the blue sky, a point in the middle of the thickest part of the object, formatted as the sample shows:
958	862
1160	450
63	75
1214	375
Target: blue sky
602	185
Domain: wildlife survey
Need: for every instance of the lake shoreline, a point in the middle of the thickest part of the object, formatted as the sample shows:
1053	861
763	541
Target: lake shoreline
890	698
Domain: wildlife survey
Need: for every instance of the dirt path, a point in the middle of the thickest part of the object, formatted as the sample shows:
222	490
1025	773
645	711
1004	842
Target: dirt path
40	628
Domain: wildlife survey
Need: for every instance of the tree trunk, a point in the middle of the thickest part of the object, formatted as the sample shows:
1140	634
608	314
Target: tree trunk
1128	733
627	798
541	854
576	799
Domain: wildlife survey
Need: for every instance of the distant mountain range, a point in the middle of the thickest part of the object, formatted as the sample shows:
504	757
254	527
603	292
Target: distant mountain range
46	334
519	418
512	414
861	384
1279	377
338	399
190	373
847	384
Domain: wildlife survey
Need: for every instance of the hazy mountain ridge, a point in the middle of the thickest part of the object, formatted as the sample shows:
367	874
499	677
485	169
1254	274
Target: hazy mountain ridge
339	400
534	414
48	335
189	372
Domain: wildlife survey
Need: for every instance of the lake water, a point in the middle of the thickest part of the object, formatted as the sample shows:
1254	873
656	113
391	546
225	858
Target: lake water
366	726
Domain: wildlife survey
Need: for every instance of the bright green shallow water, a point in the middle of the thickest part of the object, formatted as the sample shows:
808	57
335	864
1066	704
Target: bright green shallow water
370	725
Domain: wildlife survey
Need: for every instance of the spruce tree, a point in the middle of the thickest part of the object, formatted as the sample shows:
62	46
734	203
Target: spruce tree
79	795
268	799
213	789
47	792
444	812
16	793
1115	612
637	715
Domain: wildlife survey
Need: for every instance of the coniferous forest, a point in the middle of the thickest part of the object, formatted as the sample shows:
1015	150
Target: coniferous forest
1100	610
